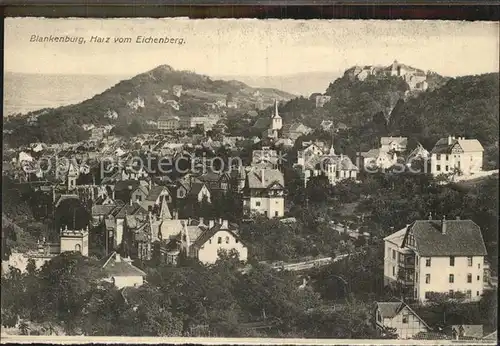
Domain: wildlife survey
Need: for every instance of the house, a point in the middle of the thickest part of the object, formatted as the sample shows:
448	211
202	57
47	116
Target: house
168	123
155	196
199	191
390	144
264	192
216	181
376	158
309	151
139	194
122	273
335	167
450	154
295	130
442	256
265	156
177	90
204	242
400	316
321	100
467	332
419	153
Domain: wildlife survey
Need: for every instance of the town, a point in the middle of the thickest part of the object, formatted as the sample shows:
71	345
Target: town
241	218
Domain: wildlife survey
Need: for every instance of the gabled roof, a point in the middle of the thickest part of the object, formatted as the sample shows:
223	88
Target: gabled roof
196	188
128	209
391	309
397	238
101	210
209	233
121	268
264	178
155	192
462	238
467	145
403	141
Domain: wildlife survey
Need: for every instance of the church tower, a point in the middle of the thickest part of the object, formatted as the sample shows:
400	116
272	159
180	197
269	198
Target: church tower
277	122
72	176
75	240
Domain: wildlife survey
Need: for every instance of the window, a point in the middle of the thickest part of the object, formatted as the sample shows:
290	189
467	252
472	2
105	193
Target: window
138	198
219	240
479	278
276	213
416	277
479	266
427	295
447	158
405	319
438	157
227	240
452	261
236	241
469	294
477	293
438	168
393	271
210	241
427	278
379	318
427	262
393	254
446	168
78	248
469	278
257	203
469	261
451	278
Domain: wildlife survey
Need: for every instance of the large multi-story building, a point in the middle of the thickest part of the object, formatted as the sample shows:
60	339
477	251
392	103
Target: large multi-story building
443	256
264	192
168	123
460	155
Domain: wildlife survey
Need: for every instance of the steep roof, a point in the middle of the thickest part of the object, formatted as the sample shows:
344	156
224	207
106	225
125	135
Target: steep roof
403	141
209	233
264	178
100	210
468	145
154	193
389	309
121	268
397	237
462	238
196	188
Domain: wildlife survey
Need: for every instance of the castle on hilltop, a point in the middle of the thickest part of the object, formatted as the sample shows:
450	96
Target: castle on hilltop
415	78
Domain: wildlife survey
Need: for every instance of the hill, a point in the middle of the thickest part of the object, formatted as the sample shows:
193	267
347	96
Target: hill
145	96
465	106
302	83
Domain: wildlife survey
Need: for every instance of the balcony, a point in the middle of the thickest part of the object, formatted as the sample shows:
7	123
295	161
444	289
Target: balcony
406	261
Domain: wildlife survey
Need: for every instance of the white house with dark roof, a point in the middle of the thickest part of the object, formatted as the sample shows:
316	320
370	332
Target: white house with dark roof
398	144
264	192
122	273
443	256
204	242
400	316
450	154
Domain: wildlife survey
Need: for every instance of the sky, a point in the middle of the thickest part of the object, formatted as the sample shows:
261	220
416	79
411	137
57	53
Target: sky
251	47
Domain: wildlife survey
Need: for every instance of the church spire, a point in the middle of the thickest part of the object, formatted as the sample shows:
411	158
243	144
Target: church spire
276	113
165	211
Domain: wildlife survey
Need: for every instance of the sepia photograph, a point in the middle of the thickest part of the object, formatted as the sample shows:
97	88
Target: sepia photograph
273	181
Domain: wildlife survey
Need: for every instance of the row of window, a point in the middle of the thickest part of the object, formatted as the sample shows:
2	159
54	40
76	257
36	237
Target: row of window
468	294
451	278
452	260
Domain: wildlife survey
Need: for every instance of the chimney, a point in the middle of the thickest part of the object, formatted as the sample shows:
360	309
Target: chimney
220	221
449	140
118	257
443	225
202	222
225	224
211	223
